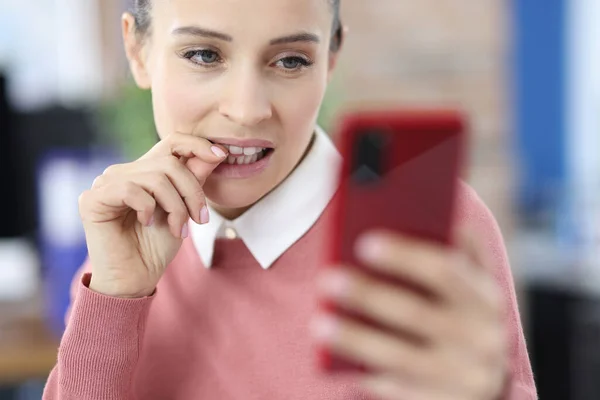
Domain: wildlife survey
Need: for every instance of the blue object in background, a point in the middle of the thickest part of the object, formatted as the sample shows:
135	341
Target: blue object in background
62	177
540	103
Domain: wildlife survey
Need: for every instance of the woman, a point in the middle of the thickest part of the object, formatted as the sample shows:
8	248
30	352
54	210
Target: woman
232	200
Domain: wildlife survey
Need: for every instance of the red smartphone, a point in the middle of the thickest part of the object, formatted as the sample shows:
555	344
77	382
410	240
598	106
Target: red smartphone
400	172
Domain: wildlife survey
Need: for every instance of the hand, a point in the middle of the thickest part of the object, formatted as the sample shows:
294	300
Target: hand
136	215
451	341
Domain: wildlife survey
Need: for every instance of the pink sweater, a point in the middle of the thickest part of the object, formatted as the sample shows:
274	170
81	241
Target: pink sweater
235	331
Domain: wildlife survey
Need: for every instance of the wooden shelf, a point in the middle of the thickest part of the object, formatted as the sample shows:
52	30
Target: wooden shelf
27	348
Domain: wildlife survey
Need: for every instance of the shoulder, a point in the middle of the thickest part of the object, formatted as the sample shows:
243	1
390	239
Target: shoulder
475	216
472	210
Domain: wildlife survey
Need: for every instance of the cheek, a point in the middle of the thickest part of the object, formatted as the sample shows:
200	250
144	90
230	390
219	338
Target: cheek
299	109
180	101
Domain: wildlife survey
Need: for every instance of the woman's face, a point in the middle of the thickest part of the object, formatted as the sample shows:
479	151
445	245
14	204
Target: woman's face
250	73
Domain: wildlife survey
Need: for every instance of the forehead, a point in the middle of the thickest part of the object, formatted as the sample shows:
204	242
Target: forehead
245	17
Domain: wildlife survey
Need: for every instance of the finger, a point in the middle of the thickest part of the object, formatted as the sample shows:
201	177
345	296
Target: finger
446	273
478	272
382	352
119	196
393	388
188	146
188	187
384	303
200	169
480	294
404	311
372	347
168	198
186	184
428	266
107	177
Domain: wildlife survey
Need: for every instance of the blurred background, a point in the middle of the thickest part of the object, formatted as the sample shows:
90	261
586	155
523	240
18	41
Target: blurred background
526	72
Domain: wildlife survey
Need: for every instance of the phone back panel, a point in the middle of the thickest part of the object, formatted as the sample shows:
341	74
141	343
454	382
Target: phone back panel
400	172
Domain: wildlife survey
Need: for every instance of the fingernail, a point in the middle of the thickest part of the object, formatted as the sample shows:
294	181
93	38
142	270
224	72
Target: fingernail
324	328
217	151
334	282
204	217
185	231
369	247
151	222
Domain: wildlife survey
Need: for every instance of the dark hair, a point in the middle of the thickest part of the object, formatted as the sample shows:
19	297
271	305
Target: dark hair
141	13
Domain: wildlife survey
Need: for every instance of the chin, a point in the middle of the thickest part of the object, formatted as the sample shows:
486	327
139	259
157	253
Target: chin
233	195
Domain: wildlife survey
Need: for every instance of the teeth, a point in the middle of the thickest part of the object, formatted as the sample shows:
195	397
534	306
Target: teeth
251	150
236	150
245	159
247	151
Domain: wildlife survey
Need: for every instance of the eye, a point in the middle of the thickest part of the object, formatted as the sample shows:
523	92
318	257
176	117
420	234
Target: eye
293	63
202	57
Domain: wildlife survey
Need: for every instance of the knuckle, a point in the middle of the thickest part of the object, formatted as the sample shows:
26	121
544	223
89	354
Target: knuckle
196	197
83	199
172	138
111	169
150	206
176	208
98	181
162	182
172	164
128	190
181	212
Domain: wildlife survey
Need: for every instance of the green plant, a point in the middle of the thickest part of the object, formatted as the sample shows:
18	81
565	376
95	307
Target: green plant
128	120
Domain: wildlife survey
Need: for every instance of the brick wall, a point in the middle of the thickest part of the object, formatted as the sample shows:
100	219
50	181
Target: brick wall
438	52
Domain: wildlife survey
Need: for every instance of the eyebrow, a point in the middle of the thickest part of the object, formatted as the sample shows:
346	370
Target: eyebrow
197	31
298	37
207	33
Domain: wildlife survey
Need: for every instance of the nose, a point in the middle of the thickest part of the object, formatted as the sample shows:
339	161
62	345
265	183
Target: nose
245	99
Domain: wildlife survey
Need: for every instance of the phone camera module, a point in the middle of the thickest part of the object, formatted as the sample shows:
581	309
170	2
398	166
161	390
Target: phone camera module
368	165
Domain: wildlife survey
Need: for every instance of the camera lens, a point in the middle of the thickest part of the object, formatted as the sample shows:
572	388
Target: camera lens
368	157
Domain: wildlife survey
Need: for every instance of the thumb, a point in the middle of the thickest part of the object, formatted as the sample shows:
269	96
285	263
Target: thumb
200	168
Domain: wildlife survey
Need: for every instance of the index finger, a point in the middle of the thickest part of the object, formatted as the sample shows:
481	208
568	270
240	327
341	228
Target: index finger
187	146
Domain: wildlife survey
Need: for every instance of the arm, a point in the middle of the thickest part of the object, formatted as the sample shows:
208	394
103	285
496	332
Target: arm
100	347
520	384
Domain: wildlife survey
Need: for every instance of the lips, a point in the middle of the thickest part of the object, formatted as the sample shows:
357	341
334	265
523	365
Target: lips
244	152
243	166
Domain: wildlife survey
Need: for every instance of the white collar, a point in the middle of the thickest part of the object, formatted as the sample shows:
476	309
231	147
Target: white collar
282	217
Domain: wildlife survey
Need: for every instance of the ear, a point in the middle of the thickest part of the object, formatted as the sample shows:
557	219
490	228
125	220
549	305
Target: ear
134	49
339	38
